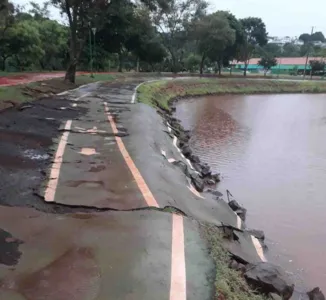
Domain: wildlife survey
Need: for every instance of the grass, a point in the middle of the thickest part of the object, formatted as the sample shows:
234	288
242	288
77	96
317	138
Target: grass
12	95
229	284
160	93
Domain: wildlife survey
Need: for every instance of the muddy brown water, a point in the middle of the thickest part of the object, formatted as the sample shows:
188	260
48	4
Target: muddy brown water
271	153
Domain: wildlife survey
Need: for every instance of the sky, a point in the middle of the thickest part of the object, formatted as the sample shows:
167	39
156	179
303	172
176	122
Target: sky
282	17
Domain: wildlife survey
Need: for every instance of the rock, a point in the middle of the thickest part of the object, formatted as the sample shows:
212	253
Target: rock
241	268
274	296
216	177
316	294
183	138
210	181
195	159
206	170
238	209
234	265
259	234
268	278
186	150
215	193
234	205
197	182
197	167
242	213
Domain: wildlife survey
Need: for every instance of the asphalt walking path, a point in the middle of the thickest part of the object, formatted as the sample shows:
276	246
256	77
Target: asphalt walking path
81	227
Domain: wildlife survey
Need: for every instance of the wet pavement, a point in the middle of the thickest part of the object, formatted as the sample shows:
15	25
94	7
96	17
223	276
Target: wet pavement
87	198
114	255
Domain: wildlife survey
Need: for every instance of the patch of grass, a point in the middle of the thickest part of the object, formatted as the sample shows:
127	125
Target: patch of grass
229	284
159	94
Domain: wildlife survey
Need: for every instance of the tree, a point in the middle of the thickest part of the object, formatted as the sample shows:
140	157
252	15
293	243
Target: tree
143	40
25	44
118	28
318	36
213	35
54	53
291	50
305	37
232	49
192	62
255	34
82	15
7	11
316	66
267	63
270	49
39	12
172	19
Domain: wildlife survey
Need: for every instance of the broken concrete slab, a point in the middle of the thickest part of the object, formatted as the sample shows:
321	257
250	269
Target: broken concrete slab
242	248
268	278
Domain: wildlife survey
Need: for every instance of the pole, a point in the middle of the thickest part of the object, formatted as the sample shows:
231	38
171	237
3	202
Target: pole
94	49
94	33
90	52
305	67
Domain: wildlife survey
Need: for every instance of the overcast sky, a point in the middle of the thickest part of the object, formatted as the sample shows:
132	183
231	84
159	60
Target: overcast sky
282	17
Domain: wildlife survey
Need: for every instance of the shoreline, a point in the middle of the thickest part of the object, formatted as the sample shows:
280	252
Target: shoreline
206	181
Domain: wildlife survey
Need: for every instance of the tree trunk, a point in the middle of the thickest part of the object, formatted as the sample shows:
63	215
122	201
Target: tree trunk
137	67
174	65
202	64
3	67
230	70
71	72
120	62
219	64
245	70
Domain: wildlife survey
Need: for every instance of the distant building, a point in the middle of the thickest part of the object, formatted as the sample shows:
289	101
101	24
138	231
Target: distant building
285	64
281	41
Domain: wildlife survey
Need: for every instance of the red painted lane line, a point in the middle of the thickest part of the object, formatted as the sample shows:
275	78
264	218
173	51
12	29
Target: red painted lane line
178	264
147	194
55	169
178	267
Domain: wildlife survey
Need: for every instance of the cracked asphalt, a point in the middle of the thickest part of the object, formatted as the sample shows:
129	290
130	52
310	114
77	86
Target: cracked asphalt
83	187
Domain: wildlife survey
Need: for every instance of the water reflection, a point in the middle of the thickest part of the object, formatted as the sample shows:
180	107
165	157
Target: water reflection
271	151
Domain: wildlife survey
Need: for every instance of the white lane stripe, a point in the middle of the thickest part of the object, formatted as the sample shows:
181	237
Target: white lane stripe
82	96
175	140
133	98
259	248
239	222
51	188
195	192
178	288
